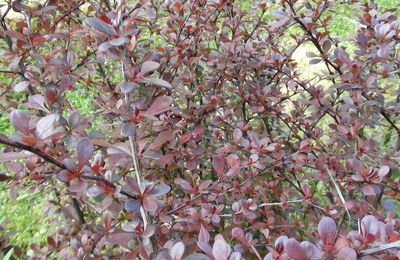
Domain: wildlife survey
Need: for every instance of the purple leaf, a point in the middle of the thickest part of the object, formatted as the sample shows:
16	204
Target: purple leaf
204	236
157	82
218	164
149	66
294	250
368	190
160	190
100	26
46	126
327	230
150	204
127	86
370	225
20	120
77	185
132	205
84	150
346	253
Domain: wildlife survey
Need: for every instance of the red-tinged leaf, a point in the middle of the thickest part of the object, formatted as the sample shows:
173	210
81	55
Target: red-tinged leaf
4	177
346	253
204	236
370	225
84	150
294	250
177	251
11	156
160	105
233	160
150	204
77	185
20	120
221	250
100	26
149	66
233	171
218	164
22	86
162	138
327	230
157	82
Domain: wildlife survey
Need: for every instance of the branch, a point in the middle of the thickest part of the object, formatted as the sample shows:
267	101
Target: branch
53	161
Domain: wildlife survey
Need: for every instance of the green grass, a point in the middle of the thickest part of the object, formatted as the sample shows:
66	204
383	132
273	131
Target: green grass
26	222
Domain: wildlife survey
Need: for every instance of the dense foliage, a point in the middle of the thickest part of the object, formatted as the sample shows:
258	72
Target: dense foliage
205	140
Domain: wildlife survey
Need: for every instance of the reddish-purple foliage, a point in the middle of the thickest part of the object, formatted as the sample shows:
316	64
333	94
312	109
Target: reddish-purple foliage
207	140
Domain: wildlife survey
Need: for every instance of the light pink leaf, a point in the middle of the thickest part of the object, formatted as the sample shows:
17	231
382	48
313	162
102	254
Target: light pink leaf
22	86
177	251
221	250
46	126
383	171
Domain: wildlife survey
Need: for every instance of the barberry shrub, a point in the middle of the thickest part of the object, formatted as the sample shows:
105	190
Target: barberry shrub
206	139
